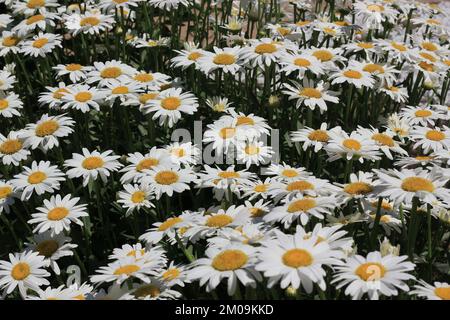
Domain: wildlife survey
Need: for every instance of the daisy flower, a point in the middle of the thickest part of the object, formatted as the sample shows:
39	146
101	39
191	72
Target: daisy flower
353	146
431	139
59	293
170	104
38	21
373	275
317	138
29	7
41	44
12	148
46	132
82	97
256	188
253	152
300	63
233	263
398	94
154	290
384	140
187	57
75	71
156	255
225	59
126	268
284	172
52	247
53	96
7	195
42	177
403	186
423	116
151	80
135	197
122	90
57	214
301	208
310	186
139	163
165	179
7	80
9	42
183	153
224	134
387	222
310	95
352	75
24	270
295	261
219	104
90	165
9	105
436	291
106	72
174	275
262	52
89	23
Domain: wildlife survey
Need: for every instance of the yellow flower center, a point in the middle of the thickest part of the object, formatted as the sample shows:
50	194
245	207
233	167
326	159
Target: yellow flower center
424	158
59	93
283	31
171	274
147	290
143	98
224	59
383	139
384	205
227	133
146	163
443	293
251	149
219	221
126	269
358	188
301	205
143	77
416	184
74	67
46	128
57	213
166	177
120	90
428	56
370	271
384	218
372	68
10	146
20	271
352	74
229	260
261	188
256	212
319	135
300	62
375	8
393	89
138	197
435	135
93	162
433	22
193	56
37	177
34	19
34	4
47	248
171	103
5	191
39	43
10	41
398	46
289	173
242	120
300	185
311	93
83	96
89	22
429	46
352	144
265	48
423	113
169	223
303	23
426	66
323	55
111	72
365	45
133	252
228	174
297	258
330	31
178	152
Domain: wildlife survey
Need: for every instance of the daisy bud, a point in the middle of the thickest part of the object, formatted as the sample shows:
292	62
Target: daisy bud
387	248
428	85
291	292
274	101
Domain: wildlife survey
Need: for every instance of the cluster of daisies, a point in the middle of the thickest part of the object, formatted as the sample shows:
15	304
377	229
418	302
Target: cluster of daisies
349	200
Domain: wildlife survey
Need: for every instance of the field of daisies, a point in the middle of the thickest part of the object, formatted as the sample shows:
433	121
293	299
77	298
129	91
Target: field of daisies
200	149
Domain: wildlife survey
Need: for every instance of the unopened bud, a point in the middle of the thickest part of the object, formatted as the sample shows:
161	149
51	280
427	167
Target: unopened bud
387	248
